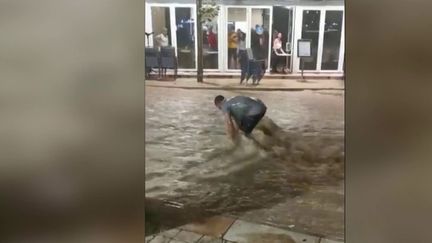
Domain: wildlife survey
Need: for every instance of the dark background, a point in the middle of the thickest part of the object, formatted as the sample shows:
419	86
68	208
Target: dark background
388	121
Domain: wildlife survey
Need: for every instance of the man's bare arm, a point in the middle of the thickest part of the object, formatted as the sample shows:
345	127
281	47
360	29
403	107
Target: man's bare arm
231	127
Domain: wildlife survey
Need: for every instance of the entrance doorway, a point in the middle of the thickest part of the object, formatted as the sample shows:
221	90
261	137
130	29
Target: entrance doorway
247	27
324	26
283	29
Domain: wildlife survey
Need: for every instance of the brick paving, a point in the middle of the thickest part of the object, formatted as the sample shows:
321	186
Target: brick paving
229	230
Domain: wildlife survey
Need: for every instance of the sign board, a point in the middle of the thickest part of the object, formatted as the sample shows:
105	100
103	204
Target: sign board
304	48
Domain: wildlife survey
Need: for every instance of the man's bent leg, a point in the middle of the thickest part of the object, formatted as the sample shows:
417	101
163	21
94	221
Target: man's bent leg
273	132
267	126
250	122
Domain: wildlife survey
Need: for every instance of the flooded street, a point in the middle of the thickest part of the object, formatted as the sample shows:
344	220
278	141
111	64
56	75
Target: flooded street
297	184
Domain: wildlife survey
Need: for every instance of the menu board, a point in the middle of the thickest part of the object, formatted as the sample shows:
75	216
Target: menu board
304	48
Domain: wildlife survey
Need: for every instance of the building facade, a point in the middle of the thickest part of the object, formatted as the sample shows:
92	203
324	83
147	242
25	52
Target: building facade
256	25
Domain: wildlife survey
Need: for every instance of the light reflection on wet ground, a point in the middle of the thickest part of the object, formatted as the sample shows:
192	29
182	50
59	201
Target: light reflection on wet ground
189	159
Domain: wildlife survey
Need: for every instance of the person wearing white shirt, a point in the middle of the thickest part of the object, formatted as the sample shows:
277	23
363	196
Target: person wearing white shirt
162	39
277	44
277	51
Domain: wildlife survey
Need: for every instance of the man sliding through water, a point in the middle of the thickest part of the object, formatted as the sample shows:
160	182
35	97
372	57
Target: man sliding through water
243	113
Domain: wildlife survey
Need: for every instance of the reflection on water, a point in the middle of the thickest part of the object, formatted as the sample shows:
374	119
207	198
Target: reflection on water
190	160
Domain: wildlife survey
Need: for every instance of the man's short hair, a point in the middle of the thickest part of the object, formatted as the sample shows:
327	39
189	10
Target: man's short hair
219	99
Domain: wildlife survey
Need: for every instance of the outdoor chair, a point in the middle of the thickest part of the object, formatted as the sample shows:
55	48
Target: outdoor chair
168	60
151	61
256	68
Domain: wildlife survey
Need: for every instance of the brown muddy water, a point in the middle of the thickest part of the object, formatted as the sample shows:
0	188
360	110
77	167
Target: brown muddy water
295	183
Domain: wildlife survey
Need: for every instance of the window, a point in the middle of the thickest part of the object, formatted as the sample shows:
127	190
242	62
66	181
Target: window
185	33
310	30
210	44
332	39
236	22
259	41
161	26
283	24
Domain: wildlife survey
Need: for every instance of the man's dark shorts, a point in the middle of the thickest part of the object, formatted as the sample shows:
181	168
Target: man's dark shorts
249	122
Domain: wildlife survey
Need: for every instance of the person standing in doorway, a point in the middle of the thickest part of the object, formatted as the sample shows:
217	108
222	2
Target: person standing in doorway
277	51
277	44
232	48
242	54
162	38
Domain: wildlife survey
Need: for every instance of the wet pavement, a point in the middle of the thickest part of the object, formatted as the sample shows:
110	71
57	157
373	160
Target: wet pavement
297	185
265	84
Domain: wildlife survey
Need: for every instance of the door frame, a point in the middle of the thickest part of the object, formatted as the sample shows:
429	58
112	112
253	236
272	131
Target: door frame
293	8
298	32
223	35
224	56
219	21
172	7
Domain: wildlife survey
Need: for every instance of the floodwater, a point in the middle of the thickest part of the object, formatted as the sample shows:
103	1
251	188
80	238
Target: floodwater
296	182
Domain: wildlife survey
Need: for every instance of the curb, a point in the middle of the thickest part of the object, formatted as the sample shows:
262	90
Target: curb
244	88
269	77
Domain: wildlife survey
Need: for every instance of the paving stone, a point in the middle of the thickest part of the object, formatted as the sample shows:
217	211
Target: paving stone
160	239
176	241
242	231
189	237
214	226
209	239
149	238
330	241
170	233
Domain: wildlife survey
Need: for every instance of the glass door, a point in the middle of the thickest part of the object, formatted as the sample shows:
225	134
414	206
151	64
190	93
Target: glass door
332	40
211	44
311	31
324	27
281	38
260	34
160	34
236	29
173	25
185	37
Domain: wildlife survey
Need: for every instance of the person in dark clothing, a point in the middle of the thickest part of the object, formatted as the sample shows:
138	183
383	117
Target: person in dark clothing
259	43
254	41
241	113
242	54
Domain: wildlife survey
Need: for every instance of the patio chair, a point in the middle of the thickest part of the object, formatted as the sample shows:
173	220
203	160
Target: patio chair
256	68
168	60
151	60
